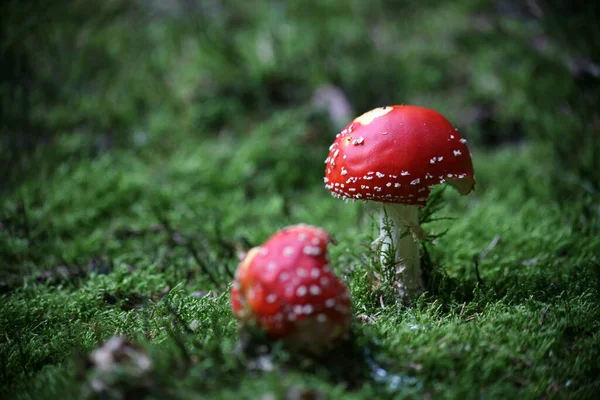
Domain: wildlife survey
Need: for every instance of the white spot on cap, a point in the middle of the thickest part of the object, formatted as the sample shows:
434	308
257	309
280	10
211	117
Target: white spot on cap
404	173
298	309
301	272
324	281
329	303
263	251
312	250
440	158
396	185
358	141
284	276
301	291
415	181
315	290
344	171
457	153
314	273
384	133
271	298
308	309
271	266
335	154
463	141
379	174
288	251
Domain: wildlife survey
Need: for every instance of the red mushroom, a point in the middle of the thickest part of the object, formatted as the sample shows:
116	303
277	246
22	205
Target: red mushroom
395	155
287	288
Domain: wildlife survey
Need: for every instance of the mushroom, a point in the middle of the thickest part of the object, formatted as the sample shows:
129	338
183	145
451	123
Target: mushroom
395	155
287	288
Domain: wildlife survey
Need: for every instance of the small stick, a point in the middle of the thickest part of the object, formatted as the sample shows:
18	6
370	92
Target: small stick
543	316
489	247
476	266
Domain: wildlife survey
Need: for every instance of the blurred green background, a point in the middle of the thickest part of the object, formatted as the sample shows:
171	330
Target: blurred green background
122	73
145	142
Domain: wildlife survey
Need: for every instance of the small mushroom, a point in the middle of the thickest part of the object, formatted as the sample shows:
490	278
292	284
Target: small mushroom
287	288
395	155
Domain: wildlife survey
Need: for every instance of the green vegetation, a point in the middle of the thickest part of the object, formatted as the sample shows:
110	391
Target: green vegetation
144	147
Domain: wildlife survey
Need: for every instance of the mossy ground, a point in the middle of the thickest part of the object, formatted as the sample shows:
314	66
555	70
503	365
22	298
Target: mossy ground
130	218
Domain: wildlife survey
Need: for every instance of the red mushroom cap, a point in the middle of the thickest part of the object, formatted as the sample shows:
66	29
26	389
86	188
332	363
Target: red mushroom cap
287	288
396	154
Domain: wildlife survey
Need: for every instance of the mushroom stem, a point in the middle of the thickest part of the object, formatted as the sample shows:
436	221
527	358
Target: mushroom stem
405	232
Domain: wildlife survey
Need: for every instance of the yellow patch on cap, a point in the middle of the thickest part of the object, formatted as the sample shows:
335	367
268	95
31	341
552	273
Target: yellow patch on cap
369	116
248	260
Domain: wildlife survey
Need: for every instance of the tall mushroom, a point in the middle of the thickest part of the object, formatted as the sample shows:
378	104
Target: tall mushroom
287	288
395	155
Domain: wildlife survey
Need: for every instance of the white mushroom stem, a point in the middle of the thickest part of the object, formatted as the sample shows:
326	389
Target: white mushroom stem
405	232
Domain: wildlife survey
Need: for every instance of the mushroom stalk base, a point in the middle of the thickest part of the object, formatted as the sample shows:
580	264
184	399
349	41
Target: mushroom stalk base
405	231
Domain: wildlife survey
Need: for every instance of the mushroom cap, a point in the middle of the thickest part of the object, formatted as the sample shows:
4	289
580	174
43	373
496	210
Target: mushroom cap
287	288
396	154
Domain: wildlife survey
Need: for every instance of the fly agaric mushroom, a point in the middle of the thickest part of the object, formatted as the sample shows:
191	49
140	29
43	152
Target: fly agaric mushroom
287	288
395	155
